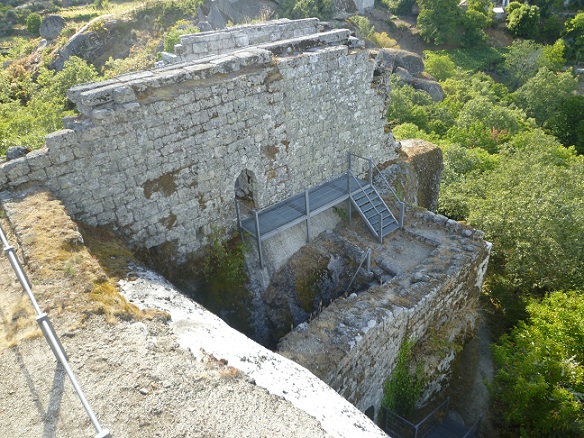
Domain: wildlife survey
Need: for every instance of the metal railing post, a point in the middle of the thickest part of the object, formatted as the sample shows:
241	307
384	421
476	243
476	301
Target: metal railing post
368	260
370	171
258	237
50	335
381	227
307	209
402	207
238	213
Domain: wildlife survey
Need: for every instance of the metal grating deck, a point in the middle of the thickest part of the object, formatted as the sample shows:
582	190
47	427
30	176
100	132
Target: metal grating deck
285	214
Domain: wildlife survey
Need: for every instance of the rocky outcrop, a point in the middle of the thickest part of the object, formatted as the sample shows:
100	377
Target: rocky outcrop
408	67
51	26
416	177
95	42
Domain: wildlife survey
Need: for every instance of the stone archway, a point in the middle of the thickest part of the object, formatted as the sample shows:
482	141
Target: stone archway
245	188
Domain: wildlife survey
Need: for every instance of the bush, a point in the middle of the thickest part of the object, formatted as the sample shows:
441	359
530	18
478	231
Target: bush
33	24
540	383
403	389
524	21
172	37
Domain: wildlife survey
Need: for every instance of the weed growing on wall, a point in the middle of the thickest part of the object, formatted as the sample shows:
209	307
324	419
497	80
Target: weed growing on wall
403	389
225	292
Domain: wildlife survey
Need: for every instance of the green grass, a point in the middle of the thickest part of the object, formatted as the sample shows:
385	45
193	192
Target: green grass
81	13
475	59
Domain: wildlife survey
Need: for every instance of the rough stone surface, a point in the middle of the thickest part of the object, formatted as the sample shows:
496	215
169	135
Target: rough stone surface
433	88
90	44
14	152
156	154
51	26
394	58
353	344
416	175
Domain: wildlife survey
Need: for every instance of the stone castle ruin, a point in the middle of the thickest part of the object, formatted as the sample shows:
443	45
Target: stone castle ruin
262	112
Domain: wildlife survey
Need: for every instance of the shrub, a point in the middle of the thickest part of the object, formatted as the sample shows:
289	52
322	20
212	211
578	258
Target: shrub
33	24
172	37
403	389
540	383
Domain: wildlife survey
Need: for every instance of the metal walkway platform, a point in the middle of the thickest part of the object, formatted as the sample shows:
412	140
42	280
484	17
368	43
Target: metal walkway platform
285	214
272	220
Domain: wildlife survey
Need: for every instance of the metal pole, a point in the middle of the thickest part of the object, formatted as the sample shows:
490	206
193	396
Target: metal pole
368	260
402	207
307	207
50	335
381	228
237	212
370	171
258	238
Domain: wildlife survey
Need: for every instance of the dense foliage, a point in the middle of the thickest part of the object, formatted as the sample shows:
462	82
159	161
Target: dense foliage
541	376
30	109
403	388
507	172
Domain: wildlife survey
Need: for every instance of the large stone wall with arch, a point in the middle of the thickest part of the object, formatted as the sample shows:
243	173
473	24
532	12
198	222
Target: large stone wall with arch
156	154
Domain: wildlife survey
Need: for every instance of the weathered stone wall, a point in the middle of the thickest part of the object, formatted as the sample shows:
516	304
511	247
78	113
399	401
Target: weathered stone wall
156	154
353	344
200	45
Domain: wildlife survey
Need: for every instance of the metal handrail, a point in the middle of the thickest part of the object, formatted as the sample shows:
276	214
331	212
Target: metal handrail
363	190
49	334
418	428
474	428
373	166
368	258
441	406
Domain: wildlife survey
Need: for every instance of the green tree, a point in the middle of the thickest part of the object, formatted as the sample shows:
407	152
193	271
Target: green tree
522	61
306	8
482	123
542	95
408	106
438	20
33	24
540	382
524	21
575	37
531	208
439	66
567	122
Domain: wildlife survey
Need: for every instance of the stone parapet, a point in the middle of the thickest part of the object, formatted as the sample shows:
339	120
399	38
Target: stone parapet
200	45
353	344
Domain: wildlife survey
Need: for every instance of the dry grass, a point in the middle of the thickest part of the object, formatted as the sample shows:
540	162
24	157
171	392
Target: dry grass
73	274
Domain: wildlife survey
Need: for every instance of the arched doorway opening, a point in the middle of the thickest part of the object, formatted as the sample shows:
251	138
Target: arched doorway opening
245	188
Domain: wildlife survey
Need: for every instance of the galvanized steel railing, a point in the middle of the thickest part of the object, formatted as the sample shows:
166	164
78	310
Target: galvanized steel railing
49	334
373	167
368	258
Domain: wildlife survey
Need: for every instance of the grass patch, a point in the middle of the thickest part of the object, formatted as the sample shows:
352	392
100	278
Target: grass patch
479	59
73	274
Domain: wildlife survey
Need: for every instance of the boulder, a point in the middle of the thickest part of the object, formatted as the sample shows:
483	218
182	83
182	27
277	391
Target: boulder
14	152
431	87
426	160
416	176
51	26
391	59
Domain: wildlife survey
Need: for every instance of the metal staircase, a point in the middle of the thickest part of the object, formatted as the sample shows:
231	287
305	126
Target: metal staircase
374	211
